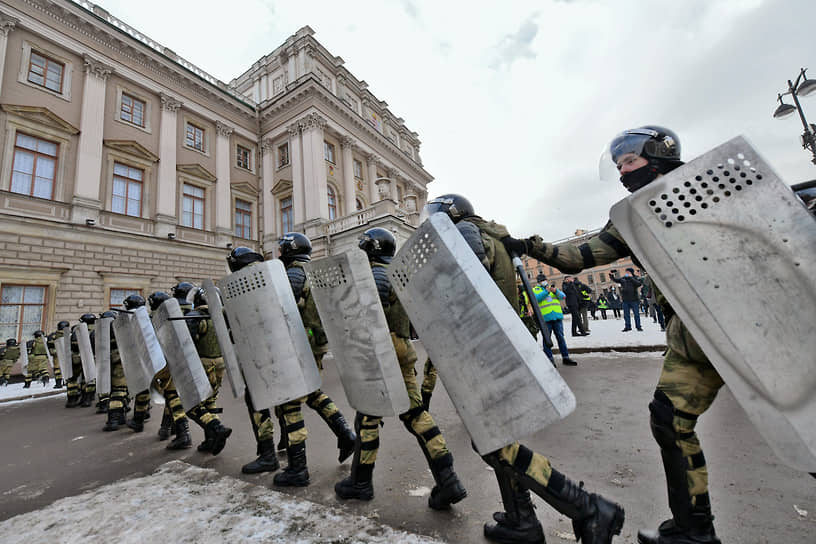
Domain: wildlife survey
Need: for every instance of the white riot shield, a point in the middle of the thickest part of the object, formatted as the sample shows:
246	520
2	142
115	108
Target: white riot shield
349	306
86	354
63	345
102	341
23	358
268	335
135	375
216	307
734	252
147	344
48	354
500	381
188	373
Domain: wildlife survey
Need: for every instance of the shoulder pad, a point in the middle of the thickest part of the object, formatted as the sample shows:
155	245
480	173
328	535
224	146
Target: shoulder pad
297	279
473	236
383	285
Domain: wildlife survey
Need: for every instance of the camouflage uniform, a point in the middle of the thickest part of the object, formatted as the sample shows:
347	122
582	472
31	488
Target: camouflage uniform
10	356
52	348
687	386
79	390
38	362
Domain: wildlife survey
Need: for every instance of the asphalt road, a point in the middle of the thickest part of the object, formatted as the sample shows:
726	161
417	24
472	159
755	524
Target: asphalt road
49	452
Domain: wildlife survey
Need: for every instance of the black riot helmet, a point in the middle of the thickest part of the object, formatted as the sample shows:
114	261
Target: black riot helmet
295	246
658	145
242	256
133	301
156	299
11	342
455	206
90	319
200	298
111	314
379	244
181	289
39	334
51	337
30	344
63	325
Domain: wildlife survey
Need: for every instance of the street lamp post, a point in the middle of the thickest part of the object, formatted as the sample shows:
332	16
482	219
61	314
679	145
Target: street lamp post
801	87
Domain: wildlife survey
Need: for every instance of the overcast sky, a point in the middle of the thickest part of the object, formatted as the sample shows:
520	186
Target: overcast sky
514	103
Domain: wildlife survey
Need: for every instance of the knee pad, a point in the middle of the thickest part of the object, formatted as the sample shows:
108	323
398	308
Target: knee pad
662	420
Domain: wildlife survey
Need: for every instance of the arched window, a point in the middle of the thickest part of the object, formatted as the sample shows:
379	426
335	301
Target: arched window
332	203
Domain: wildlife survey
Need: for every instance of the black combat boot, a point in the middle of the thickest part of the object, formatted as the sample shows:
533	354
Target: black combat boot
74	399
359	484
27	383
182	441
595	520
45	379
87	399
267	461
697	529
426	400
283	443
448	489
137	423
116	418
58	383
218	436
3	381
519	524
102	405
166	427
297	473
568	362
345	436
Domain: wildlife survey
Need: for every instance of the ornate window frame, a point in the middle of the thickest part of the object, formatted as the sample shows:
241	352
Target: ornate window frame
120	89
67	75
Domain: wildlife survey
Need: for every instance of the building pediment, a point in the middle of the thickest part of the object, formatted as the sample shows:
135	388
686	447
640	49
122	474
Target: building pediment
133	148
40	115
196	171
245	188
282	187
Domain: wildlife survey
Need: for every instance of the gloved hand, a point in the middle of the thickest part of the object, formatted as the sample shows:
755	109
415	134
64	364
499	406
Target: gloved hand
514	246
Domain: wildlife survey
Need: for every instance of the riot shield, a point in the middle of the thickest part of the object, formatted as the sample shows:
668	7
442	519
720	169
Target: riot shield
216	307
500	381
719	236
270	341
23	358
147	344
135	375
48	356
349	306
188	373
63	345
85	352
102	332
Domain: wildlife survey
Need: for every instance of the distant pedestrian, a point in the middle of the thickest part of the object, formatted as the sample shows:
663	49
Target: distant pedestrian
615	303
630	285
549	301
603	306
572	300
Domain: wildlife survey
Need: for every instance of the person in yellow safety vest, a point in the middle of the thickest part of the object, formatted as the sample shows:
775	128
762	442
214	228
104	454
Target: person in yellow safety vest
603	305
549	301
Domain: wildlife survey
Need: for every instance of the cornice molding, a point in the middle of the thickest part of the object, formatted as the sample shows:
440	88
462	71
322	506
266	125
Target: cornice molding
40	115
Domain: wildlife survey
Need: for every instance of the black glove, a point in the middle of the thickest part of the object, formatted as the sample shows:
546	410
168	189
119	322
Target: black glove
514	246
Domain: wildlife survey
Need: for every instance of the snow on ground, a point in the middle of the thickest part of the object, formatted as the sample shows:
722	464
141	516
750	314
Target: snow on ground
184	504
16	391
607	334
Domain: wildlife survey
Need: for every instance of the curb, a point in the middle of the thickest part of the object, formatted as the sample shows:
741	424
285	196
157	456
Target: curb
607	349
34	396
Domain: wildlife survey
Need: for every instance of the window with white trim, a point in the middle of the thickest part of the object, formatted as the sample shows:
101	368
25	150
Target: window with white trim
332	203
22	310
243	218
283	155
45	72
328	151
286	214
192	207
358	169
243	157
132	110
194	137
34	166
127	190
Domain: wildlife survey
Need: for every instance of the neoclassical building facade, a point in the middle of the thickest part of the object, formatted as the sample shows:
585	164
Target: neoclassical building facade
124	168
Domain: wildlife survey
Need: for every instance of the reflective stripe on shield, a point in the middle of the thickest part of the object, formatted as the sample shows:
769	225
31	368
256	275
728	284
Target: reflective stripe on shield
63	345
189	377
733	250
85	352
500	381
102	332
270	341
349	306
216	308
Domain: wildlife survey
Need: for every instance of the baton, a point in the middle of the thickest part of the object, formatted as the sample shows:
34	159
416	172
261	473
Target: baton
121	310
533	302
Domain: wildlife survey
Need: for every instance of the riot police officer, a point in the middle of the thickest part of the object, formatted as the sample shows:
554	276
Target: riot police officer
81	391
380	246
52	348
689	383
518	469
10	357
119	390
141	402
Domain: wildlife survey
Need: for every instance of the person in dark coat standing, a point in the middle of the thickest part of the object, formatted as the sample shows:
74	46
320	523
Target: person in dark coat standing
573	305
630	286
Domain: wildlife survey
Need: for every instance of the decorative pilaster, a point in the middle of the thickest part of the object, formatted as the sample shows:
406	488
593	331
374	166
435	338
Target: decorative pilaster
314	168
347	144
223	195
371	168
270	214
166	214
86	202
7	24
394	175
296	156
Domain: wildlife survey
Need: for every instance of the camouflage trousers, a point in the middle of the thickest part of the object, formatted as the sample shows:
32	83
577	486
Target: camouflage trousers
691	383
292	414
37	368
57	369
5	368
429	376
172	403
207	410
119	389
417	420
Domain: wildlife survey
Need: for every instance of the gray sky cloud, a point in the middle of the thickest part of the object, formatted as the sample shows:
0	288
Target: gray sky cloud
523	142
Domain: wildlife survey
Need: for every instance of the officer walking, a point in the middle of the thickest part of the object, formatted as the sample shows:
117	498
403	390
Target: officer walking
8	360
689	383
52	348
380	246
518	469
